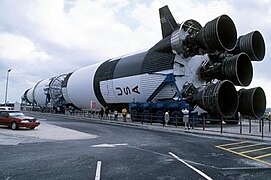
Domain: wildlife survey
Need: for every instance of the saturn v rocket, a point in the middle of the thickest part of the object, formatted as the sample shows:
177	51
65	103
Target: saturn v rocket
198	66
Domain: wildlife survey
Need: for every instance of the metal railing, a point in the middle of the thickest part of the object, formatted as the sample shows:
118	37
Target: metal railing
245	126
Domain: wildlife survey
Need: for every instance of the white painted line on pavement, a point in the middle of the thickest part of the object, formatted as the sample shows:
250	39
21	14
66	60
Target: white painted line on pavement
109	145
98	170
193	168
42	119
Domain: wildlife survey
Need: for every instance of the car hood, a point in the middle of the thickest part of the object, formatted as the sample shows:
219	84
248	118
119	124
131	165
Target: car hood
25	117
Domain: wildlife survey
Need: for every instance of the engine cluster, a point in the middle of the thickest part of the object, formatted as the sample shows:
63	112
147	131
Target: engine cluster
229	63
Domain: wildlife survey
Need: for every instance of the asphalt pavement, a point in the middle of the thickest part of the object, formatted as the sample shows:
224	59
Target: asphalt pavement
68	147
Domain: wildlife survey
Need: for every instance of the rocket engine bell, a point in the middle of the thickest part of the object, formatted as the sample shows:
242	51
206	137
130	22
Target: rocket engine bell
252	44
191	39
220	99
218	34
236	68
252	102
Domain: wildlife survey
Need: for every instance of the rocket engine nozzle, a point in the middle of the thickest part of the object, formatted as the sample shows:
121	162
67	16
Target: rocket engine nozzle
219	99
192	39
252	102
252	44
237	68
218	34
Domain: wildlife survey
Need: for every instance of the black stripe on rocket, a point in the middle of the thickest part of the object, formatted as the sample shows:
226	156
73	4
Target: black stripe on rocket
158	58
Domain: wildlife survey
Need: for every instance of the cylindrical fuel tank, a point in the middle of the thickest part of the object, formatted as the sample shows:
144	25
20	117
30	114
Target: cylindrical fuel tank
39	92
29	95
24	96
80	87
64	89
131	78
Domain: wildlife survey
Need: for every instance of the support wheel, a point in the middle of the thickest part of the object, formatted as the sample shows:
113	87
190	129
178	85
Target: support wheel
134	115
146	116
159	116
176	117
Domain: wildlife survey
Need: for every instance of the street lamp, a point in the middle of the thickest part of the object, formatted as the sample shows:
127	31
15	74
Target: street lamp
6	94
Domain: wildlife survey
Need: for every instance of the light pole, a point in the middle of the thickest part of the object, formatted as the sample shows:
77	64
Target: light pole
6	94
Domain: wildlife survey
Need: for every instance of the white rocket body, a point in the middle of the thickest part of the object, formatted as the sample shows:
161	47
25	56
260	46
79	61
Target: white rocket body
192	64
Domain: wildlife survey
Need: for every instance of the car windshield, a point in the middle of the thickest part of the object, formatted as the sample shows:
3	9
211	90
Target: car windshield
16	114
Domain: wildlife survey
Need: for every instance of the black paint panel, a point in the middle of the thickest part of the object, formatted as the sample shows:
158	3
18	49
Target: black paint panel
130	65
65	82
163	46
25	96
157	61
104	72
168	23
159	57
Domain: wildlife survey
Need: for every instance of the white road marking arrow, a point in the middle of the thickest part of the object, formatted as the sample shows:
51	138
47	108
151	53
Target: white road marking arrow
108	145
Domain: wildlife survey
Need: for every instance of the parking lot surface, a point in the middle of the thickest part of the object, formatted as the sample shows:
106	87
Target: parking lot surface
68	148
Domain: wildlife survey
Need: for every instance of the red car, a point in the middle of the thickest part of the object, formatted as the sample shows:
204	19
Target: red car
16	119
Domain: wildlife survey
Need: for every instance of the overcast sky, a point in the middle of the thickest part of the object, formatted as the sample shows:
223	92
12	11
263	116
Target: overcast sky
40	39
